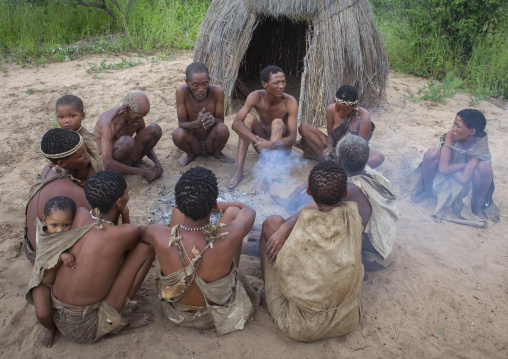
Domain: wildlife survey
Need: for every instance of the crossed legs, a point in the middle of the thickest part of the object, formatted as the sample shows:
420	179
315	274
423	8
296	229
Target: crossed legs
193	147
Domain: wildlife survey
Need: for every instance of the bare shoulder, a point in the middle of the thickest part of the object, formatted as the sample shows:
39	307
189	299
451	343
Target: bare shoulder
81	217
330	108
290	99
182	89
363	114
255	96
216	89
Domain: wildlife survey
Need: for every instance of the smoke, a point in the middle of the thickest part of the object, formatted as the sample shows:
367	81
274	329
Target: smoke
276	165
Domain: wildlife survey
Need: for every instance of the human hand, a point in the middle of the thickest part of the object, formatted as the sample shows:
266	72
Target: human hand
158	170
208	121
150	175
68	260
276	241
262	144
201	115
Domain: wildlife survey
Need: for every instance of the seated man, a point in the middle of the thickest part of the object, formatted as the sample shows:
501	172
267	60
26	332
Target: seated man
342	117
374	196
313	283
93	299
113	133
68	171
459	171
200	108
276	126
199	284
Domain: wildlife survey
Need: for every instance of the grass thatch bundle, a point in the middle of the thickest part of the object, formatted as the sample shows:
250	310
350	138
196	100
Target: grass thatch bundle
328	42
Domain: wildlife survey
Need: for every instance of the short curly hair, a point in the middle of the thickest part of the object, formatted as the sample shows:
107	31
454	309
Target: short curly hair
474	119
353	153
59	140
196	68
59	204
269	71
196	193
70	100
347	93
104	188
327	182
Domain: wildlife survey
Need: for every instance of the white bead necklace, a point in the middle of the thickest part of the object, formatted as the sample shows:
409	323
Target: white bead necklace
194	229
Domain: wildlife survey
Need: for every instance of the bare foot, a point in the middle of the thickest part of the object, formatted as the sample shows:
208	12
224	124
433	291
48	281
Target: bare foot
186	160
223	158
235	180
139	320
260	187
47	339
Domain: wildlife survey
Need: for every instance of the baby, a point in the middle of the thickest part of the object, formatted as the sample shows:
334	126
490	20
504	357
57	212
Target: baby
69	115
58	215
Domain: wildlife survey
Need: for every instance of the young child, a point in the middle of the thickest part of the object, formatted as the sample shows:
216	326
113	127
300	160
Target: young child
460	169
69	115
58	215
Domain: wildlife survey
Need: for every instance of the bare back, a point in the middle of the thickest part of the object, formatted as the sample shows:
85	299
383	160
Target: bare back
98	256
58	187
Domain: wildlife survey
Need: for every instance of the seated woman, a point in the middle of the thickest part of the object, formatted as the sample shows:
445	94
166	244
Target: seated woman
459	171
342	117
68	171
199	285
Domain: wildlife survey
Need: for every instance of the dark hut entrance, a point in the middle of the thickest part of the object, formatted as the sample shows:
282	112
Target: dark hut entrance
275	41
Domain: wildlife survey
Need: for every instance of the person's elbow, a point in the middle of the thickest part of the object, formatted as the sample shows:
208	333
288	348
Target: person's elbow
107	164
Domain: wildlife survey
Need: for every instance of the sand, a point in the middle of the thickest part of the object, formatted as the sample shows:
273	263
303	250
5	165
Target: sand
448	280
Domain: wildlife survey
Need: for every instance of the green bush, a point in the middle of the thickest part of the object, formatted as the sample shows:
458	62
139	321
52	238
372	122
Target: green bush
432	38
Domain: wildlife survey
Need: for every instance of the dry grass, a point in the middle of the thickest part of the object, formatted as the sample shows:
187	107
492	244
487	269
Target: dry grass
343	47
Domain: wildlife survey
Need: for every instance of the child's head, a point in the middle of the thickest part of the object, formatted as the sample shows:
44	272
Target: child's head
69	112
474	120
58	214
327	183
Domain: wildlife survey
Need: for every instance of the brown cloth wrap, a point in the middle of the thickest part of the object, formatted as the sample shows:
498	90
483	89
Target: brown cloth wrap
93	151
49	248
313	287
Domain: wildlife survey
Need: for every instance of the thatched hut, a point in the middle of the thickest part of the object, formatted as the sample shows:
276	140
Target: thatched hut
327	42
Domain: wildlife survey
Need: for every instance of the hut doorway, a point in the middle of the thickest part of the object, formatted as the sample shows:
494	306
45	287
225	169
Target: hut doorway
276	41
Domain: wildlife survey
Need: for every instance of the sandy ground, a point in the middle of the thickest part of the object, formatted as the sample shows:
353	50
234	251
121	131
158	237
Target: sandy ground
446	279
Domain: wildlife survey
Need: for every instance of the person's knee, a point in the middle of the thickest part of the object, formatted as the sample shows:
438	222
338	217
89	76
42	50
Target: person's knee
179	135
431	154
304	129
483	171
125	144
154	130
249	120
272	223
221	130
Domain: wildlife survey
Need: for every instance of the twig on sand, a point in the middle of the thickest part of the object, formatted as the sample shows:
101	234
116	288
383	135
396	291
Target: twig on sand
417	210
400	324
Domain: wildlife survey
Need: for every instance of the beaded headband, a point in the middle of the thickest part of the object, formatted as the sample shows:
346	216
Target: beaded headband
344	102
57	156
